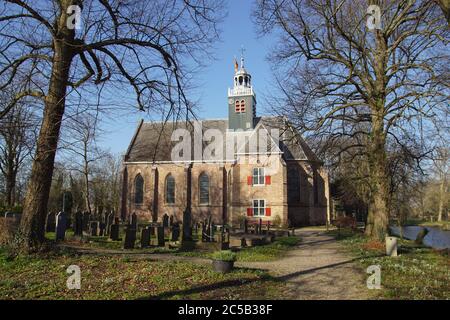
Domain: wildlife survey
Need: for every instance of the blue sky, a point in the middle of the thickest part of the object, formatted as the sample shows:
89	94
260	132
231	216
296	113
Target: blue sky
237	31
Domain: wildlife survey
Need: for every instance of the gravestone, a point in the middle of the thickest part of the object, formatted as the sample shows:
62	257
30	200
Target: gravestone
130	238
145	237
102	227
187	229
159	236
109	222
175	234
391	246
78	227
134	220
114	234
94	228
51	222
86	217
203	227
61	222
211	233
165	220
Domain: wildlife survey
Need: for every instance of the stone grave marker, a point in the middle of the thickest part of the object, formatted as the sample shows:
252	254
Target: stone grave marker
187	229
51	222
78	226
61	223
114	234
130	238
165	220
145	237
159	236
102	228
86	217
94	226
134	220
175	234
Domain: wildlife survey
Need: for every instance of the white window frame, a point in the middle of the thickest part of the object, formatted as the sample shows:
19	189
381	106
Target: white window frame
260	209
260	175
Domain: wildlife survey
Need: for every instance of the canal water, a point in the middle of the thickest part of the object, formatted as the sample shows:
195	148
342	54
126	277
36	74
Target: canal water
436	237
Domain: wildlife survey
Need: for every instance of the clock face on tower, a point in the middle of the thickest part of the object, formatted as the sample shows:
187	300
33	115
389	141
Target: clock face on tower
230	101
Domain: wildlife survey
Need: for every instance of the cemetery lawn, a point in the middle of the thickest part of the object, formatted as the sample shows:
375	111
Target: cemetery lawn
417	273
115	277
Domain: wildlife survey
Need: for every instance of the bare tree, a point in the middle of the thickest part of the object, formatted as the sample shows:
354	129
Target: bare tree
145	45
343	80
16	144
82	150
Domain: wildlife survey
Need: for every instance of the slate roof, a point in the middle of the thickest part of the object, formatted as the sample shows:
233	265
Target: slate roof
152	140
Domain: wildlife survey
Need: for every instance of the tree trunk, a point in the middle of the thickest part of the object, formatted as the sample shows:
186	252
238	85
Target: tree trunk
378	218
441	198
32	225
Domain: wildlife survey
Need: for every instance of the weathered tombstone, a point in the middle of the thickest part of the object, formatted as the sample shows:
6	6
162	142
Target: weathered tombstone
61	221
114	234
51	222
109	222
130	238
203	227
102	227
86	217
391	246
145	237
159	236
187	230
175	234
211	232
78	227
165	220
94	228
134	220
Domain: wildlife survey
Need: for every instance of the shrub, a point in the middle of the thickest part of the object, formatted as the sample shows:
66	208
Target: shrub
224	255
277	221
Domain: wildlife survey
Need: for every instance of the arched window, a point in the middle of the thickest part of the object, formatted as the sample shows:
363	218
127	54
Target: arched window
138	189
242	106
237	106
170	189
241	80
203	186
293	185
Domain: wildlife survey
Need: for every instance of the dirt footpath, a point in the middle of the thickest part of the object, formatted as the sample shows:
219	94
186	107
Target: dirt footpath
317	269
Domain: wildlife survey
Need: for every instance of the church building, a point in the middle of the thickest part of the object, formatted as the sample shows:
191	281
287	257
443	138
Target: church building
258	168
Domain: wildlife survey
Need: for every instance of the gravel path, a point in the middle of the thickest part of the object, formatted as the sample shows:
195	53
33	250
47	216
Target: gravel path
317	269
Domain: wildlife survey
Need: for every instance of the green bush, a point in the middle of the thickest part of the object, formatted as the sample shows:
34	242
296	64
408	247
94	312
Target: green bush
224	255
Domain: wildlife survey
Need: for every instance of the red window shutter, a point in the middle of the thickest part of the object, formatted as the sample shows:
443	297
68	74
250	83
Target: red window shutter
249	212
268	212
249	180
268	180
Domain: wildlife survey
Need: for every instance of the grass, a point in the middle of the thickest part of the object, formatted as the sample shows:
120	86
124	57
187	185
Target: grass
114	277
268	252
417	273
